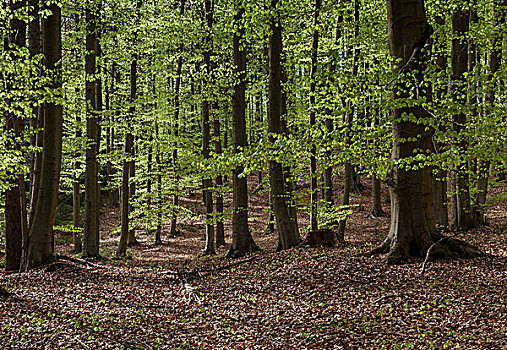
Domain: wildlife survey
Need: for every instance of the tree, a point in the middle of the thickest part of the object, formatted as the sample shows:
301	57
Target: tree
15	200
91	228
412	229
313	87
206	137
242	241
38	249
459	65
287	235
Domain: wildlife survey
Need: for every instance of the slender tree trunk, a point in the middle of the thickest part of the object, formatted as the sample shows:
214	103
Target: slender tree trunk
126	236
76	192
287	235
495	60
90	236
440	175
313	87
349	116
172	230
219	200
38	248
242	241
158	231
131	237
207	183
37	122
459	63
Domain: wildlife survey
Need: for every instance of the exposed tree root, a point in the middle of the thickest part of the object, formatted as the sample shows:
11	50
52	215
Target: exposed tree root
451	248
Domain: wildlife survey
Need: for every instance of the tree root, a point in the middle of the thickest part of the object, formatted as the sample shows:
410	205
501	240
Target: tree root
451	248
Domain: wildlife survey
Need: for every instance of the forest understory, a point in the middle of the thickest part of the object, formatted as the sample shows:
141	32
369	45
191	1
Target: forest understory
302	298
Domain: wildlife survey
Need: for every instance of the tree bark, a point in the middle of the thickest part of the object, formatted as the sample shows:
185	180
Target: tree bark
15	200
313	87
37	122
90	235
242	241
207	183
172	230
39	248
459	64
287	235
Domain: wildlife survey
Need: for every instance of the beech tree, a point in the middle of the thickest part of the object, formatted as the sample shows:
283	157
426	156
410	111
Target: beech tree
412	229
38	248
287	234
242	241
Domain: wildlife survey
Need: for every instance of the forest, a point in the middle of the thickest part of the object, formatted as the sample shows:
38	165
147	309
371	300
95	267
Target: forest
266	174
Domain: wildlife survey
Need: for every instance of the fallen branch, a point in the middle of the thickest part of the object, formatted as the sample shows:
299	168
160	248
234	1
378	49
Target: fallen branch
78	261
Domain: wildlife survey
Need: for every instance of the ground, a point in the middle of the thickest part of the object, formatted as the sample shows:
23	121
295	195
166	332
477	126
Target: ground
320	298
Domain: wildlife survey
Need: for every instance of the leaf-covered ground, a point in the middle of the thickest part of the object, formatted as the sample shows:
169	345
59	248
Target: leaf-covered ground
334	298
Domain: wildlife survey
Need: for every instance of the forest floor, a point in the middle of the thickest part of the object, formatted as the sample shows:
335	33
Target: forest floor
302	298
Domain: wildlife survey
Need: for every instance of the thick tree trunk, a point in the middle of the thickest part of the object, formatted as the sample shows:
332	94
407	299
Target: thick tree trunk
287	235
15	200
39	248
412	229
90	235
242	241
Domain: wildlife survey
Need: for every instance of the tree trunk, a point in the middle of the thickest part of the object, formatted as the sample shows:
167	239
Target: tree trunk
37	122
349	116
242	241
38	249
219	200
206	138
495	60
76	193
313	87
412	224
90	235
172	230
459	63
287	235
440	175
15	228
